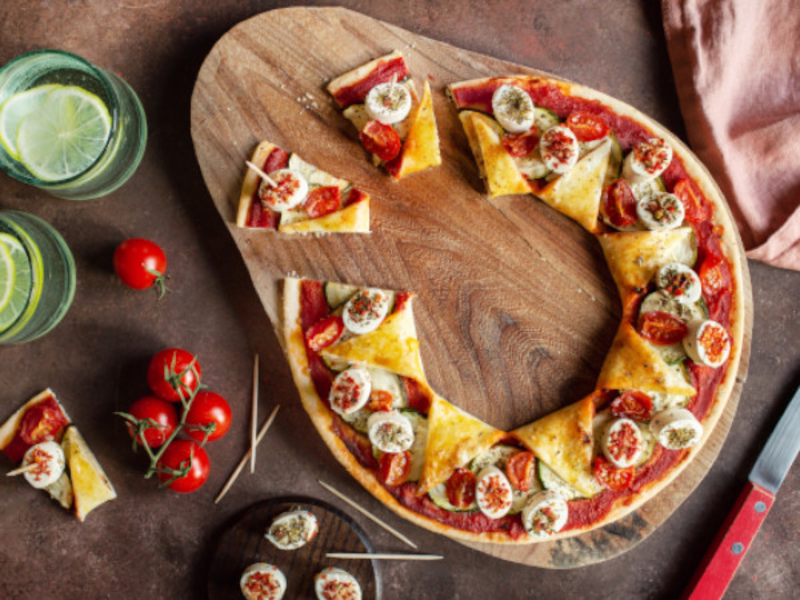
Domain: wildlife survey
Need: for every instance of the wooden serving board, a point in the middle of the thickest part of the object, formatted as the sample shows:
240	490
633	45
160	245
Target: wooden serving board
516	308
243	543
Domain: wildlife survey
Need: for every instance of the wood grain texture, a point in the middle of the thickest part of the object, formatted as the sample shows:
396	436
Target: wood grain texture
516	306
242	543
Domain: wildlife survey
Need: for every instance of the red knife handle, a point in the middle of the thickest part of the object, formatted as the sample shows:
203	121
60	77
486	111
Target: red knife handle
731	544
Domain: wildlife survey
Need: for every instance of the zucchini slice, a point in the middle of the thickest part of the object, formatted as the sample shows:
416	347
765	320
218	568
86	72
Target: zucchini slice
551	481
419	424
531	166
438	495
338	293
544	119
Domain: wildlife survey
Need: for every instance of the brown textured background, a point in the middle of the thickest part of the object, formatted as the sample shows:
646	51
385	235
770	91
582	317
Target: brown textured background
155	544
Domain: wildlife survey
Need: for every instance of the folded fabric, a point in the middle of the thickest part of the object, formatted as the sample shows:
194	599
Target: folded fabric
737	69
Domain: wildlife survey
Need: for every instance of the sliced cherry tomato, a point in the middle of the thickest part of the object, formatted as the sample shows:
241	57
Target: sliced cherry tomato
324	333
461	488
694	211
161	417
140	264
611	477
633	404
586	126
520	470
419	397
208	408
710	274
173	373
42	423
619	204
394	468
379	400
381	140
323	201
661	328
521	144
185	455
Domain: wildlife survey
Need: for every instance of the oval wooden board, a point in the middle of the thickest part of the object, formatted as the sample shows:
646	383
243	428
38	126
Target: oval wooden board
243	543
516	306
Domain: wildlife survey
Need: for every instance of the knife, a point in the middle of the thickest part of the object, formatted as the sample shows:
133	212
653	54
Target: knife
734	539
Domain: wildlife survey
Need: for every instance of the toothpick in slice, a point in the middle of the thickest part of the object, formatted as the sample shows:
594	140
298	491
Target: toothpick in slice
21	470
270	181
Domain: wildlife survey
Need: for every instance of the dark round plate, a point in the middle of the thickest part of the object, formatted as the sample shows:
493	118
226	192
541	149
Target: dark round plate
243	543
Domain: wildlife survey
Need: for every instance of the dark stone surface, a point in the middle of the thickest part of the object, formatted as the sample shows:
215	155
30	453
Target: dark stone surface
155	544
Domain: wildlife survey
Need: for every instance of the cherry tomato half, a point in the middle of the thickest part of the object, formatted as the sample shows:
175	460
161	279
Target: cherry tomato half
208	408
394	468
181	454
379	400
170	371
325	332
586	126
140	263
164	418
661	328
694	211
460	488
611	477
521	144
519	469
323	201
381	140
619	204
633	404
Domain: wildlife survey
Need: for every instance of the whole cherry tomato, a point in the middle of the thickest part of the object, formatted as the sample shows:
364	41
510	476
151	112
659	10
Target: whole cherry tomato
208	408
161	413
180	455
173	370
140	264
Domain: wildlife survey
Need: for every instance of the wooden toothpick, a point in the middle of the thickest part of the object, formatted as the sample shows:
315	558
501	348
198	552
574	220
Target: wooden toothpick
378	556
254	417
21	470
270	181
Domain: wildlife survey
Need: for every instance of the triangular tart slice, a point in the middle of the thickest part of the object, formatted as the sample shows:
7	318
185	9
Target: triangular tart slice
421	146
634	257
394	346
577	192
633	363
496	165
563	440
454	438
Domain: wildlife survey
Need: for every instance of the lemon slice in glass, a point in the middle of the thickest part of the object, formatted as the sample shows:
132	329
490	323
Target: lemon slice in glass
65	136
16	108
15	280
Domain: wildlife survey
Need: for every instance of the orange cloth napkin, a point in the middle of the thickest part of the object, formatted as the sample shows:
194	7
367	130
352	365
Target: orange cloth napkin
737	69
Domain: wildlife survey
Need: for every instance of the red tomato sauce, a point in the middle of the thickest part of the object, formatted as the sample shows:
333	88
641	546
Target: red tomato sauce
263	217
42	422
382	73
357	443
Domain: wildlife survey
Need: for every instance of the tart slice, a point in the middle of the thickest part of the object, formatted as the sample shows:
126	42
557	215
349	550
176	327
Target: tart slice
395	126
306	199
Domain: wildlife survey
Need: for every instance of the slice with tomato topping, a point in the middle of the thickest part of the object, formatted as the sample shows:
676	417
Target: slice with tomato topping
587	127
633	404
519	469
460	488
381	140
395	468
324	333
661	328
611	477
521	144
619	205
323	201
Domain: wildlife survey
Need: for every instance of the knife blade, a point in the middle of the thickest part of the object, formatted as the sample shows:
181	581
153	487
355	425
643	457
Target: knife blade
717	568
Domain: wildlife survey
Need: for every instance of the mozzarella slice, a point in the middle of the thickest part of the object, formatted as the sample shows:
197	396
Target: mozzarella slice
707	343
350	390
513	108
388	103
622	443
365	310
680	282
559	149
676	428
49	460
292	530
493	493
336	583
291	190
647	161
390	432
262	581
545	514
660	212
